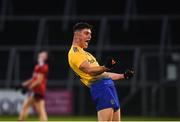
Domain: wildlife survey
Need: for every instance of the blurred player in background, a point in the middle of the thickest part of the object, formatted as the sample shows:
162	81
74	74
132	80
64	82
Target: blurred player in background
96	77
36	88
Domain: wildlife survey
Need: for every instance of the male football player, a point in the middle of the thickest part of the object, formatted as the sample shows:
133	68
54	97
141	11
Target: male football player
98	78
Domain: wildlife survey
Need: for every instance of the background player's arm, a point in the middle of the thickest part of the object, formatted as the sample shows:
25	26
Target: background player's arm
37	82
115	76
93	71
27	82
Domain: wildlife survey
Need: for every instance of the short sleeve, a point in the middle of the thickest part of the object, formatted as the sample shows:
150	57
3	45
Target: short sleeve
77	59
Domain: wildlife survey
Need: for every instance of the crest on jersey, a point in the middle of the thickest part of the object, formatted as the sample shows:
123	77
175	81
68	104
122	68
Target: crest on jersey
75	49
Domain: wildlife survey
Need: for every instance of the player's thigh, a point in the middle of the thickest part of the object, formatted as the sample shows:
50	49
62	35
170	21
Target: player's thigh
28	102
105	114
117	115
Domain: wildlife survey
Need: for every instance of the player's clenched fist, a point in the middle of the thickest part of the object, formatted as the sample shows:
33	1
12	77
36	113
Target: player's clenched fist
129	73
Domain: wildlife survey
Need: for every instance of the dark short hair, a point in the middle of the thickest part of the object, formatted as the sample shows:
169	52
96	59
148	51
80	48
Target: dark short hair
81	25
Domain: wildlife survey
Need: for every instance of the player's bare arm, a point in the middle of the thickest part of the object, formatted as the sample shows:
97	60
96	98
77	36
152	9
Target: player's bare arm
38	81
115	76
97	70
128	74
93	71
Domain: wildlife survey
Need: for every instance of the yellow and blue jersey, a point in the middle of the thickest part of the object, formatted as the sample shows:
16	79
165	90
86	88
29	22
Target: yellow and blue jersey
76	57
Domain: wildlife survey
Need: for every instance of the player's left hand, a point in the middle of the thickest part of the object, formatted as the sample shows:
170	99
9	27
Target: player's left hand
129	73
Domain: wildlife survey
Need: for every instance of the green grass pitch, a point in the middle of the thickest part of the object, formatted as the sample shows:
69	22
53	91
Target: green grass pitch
90	118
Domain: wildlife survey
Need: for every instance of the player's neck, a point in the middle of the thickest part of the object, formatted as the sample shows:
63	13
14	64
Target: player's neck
76	44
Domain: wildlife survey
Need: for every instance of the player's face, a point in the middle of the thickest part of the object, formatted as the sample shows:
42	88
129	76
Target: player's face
84	37
43	56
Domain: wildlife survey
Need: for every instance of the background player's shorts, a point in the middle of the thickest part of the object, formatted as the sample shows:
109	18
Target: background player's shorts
104	94
37	96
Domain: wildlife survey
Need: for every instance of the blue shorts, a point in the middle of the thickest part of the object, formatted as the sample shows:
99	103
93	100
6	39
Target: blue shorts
104	94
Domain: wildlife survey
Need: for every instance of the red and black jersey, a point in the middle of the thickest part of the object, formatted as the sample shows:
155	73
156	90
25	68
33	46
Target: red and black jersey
41	88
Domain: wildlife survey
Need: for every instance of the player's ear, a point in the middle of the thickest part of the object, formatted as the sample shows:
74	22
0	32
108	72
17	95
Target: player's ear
76	34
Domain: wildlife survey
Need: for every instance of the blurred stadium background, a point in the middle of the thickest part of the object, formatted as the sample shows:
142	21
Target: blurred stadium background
143	34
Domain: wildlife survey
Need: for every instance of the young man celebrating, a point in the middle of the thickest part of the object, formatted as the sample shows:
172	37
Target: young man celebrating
94	76
36	87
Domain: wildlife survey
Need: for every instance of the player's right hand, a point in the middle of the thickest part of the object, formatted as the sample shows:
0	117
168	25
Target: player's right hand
109	63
